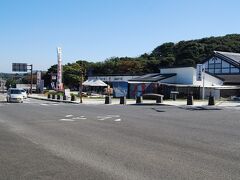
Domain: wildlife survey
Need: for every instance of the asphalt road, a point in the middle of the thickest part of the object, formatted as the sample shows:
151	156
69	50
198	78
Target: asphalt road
46	140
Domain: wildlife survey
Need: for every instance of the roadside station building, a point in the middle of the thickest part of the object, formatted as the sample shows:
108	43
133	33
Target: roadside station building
182	80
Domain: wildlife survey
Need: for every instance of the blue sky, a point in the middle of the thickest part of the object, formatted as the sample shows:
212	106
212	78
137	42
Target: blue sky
30	30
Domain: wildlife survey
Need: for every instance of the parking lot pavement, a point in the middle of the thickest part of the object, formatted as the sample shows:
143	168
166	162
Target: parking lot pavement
118	142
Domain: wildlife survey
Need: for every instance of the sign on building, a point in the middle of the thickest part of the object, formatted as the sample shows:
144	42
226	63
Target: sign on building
200	69
19	67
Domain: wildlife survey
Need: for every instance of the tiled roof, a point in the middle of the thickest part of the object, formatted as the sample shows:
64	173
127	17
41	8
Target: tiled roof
154	77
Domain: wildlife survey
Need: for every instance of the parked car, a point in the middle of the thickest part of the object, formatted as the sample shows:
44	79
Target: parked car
14	95
24	93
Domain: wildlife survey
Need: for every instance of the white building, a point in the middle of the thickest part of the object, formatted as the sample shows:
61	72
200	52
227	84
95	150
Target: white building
181	79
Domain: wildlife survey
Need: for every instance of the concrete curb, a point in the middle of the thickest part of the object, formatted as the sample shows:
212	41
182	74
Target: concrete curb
53	100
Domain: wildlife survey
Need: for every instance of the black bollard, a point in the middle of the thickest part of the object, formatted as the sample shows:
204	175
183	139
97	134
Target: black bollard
64	97
190	100
53	96
211	101
58	97
139	100
159	99
123	100
49	96
73	98
108	100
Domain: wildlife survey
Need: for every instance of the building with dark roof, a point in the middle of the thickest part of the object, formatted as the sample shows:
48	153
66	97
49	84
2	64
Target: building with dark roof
225	65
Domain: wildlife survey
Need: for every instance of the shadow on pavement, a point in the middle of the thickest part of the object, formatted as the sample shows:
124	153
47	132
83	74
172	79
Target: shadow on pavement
149	104
201	108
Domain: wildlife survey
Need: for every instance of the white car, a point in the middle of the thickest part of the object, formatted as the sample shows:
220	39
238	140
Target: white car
14	95
24	93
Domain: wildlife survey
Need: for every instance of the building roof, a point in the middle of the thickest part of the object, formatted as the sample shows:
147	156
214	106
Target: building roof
154	77
94	82
232	58
231	79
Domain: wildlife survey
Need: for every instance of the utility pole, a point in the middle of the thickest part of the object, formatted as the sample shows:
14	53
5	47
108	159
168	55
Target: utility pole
31	87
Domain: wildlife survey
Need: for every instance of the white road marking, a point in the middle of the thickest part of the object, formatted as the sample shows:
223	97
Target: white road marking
79	118
71	120
55	104
113	115
44	104
69	115
118	120
101	119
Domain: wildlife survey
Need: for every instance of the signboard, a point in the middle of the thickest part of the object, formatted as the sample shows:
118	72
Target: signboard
67	92
39	78
200	69
19	67
41	86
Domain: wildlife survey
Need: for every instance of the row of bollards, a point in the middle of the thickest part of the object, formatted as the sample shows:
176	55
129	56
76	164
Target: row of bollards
139	99
211	100
59	97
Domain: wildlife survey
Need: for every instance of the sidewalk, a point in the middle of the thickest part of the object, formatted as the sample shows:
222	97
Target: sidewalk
180	102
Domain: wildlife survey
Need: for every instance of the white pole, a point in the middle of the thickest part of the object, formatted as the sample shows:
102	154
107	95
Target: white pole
203	90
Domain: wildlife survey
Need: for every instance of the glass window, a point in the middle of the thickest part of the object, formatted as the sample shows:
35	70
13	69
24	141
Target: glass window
217	60
234	70
218	65
218	71
15	91
211	70
225	64
211	66
225	70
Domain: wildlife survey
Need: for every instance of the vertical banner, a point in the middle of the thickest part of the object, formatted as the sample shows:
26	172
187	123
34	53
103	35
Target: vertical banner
199	71
59	69
39	78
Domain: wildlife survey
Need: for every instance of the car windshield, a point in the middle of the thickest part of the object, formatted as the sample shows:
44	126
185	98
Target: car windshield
16	91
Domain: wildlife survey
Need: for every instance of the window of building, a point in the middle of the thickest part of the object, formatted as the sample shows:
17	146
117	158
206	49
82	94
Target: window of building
225	70
234	70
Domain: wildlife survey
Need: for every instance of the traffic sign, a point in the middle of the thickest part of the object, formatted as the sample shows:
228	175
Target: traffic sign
19	67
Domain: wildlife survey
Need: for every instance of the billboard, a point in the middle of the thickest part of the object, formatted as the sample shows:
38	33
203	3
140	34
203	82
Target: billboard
19	67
